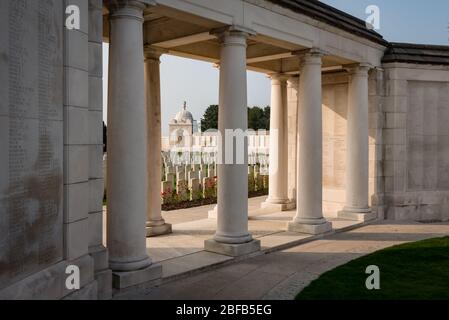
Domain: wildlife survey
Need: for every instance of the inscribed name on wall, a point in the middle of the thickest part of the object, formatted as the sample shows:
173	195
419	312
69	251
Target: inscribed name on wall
31	137
428	136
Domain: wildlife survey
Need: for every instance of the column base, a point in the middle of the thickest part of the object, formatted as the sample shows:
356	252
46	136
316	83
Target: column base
119	266
310	228
153	231
278	206
357	214
100	256
231	249
121	280
212	214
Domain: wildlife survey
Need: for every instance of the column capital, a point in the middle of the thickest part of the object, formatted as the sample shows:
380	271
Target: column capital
310	52
360	69
310	56
294	80
281	77
153	53
232	35
127	8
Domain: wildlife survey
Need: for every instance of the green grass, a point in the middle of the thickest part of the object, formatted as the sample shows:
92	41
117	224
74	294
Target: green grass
417	270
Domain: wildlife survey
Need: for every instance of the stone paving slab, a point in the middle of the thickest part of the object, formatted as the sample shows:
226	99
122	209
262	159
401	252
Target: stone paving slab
186	243
181	254
282	274
194	227
190	262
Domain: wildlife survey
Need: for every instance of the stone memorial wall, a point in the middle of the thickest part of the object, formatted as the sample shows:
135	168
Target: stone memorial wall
31	137
428	136
335	100
416	141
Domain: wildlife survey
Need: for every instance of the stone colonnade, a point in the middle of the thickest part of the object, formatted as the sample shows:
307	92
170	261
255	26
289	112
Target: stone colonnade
278	186
357	207
127	181
135	143
155	223
309	191
232	236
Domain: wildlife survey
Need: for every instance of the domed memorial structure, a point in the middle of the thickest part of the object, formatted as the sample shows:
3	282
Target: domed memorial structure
182	127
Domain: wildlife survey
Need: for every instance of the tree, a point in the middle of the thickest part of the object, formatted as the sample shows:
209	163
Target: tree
258	118
267	111
210	118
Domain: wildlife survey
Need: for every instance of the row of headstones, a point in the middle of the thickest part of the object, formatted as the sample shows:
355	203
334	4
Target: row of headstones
188	182
200	171
184	157
196	181
257	178
258	158
180	158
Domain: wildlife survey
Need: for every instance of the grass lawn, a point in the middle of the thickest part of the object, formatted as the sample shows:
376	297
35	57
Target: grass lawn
417	270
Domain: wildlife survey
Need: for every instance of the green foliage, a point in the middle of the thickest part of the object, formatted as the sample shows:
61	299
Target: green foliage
412	271
195	195
258	118
258	182
210	118
168	197
266	182
267	111
251	183
210	188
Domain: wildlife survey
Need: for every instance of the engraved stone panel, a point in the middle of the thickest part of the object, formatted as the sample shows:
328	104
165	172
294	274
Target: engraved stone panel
335	100
428	136
31	140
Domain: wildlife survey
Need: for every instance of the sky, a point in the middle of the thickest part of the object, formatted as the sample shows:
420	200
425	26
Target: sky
414	21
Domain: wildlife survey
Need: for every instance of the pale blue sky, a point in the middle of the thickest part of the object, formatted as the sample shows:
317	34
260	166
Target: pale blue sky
415	21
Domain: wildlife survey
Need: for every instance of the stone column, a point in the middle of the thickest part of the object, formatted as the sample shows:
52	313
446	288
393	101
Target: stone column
212	214
309	212
278	181
357	207
155	223
232	236
292	121
127	148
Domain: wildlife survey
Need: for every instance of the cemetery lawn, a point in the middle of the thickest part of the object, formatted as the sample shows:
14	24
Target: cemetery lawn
418	270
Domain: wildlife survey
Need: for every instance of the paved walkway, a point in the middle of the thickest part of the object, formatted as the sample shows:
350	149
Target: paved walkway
281	275
182	253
